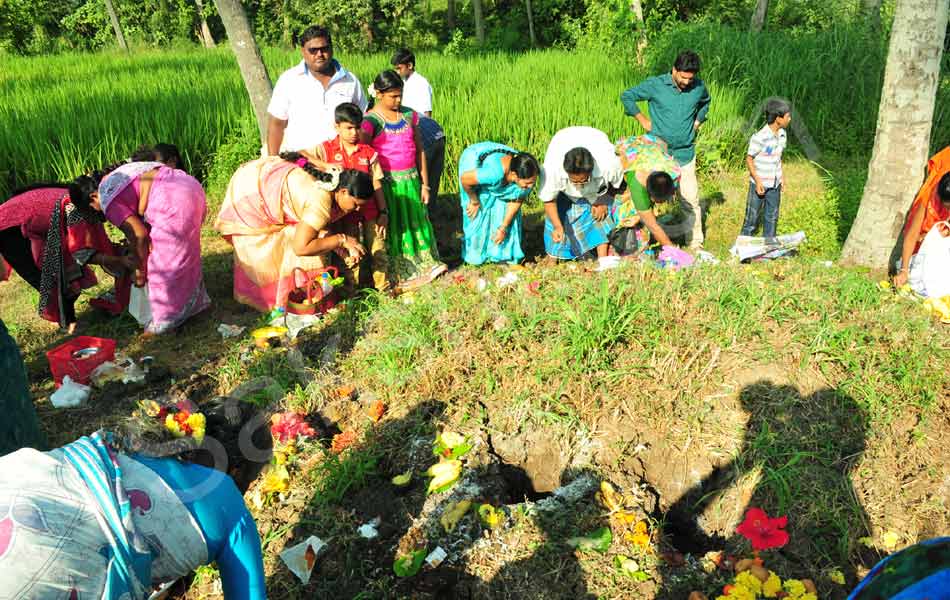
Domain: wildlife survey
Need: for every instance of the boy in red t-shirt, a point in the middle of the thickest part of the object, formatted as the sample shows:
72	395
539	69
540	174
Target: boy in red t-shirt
346	151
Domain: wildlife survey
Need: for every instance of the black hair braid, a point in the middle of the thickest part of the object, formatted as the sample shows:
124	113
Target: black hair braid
481	157
309	168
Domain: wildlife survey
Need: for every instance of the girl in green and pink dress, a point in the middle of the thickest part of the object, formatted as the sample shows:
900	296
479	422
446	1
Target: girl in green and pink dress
392	131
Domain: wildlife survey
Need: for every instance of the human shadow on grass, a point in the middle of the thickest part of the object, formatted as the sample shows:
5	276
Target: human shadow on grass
552	570
805	448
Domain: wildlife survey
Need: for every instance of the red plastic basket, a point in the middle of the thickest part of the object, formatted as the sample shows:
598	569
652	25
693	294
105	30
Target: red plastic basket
79	357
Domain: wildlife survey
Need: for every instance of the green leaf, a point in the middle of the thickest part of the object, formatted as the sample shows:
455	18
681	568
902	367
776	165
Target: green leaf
598	541
409	565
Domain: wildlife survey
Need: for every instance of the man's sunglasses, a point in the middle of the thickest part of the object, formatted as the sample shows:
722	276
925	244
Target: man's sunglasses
314	50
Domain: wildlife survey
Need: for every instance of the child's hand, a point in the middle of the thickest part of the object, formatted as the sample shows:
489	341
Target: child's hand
425	194
599	211
557	236
382	223
759	188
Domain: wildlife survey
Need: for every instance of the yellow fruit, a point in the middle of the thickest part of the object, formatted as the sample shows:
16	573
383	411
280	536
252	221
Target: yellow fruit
443	473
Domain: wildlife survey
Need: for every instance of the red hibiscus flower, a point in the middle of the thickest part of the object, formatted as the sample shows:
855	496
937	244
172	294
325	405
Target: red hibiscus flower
289	426
762	531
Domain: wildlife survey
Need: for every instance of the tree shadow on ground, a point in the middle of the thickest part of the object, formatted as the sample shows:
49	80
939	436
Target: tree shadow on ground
796	459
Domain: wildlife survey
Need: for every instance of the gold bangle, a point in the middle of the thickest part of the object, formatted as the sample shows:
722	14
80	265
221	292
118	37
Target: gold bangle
342	240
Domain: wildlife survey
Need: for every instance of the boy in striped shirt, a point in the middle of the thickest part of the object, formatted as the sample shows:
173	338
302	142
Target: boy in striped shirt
764	160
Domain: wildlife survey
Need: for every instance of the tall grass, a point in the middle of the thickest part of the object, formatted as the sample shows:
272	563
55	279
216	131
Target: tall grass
65	114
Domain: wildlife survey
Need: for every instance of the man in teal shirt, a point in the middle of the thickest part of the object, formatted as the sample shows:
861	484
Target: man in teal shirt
679	103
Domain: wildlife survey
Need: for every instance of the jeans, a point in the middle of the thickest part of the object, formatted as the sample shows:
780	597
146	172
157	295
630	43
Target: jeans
754	208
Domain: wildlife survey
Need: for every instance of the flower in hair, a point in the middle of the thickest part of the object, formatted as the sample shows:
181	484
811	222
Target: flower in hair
302	162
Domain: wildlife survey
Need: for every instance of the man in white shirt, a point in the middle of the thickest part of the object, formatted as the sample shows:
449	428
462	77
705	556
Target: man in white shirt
300	113
582	174
416	92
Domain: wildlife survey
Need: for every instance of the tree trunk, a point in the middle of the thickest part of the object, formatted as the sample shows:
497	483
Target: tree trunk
760	14
249	60
116	26
450	16
904	120
534	40
479	22
872	10
286	36
637	7
206	38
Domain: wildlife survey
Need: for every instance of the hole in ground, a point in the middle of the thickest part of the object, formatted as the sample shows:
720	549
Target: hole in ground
518	485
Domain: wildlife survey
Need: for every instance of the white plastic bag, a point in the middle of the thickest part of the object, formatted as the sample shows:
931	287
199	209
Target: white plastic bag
930	268
70	394
139	306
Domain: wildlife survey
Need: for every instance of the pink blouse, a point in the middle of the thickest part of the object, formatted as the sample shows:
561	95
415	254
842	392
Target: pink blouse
393	141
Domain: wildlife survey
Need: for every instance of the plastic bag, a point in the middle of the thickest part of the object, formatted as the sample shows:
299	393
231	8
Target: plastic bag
139	306
930	269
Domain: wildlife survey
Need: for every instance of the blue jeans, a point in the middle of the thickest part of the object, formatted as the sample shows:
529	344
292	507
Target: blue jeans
753	209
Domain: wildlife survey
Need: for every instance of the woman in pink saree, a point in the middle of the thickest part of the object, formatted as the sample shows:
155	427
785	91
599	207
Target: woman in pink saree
281	214
160	211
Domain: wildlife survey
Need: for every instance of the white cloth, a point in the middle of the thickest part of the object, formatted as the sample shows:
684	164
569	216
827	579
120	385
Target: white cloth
607	168
417	94
120	178
765	148
929	273
308	107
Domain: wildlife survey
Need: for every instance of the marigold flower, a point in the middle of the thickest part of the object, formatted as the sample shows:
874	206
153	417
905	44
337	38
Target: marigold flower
794	587
342	441
749	581
172	425
772	586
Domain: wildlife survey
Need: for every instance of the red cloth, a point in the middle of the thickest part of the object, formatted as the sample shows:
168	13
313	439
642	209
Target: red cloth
5	270
938	165
30	211
360	160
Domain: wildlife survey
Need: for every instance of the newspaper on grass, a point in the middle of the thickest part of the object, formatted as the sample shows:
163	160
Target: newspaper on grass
749	247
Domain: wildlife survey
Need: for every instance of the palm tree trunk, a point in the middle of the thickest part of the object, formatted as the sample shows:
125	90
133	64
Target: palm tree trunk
116	26
759	16
206	38
249	60
637	7
450	16
531	36
479	22
904	120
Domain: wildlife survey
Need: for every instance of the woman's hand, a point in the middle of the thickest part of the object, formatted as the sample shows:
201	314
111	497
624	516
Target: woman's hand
382	223
599	212
353	247
473	205
900	279
557	236
500	235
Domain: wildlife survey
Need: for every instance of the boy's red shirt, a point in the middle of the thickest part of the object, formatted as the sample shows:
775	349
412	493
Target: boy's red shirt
361	159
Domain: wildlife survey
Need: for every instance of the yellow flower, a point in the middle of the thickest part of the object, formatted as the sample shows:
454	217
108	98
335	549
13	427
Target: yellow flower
808	596
741	593
890	540
836	576
749	581
198	433
794	587
884	284
151	407
276	479
640	527
772	586
172	425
